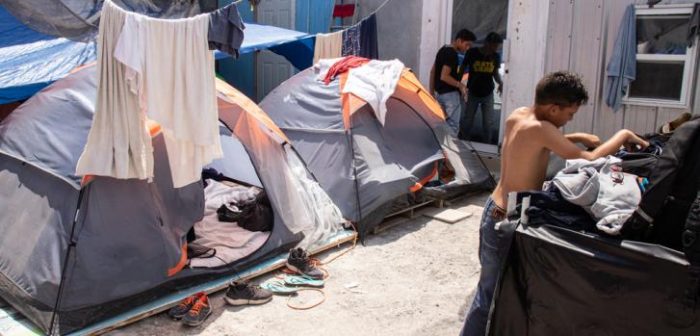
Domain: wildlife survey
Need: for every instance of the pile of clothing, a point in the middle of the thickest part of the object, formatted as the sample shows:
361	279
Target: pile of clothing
237	222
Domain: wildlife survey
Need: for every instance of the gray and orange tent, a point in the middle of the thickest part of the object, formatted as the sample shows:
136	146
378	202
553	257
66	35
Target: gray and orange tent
76	250
365	166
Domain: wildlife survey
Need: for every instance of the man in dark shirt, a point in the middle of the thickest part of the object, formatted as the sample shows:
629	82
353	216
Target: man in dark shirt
482	65
446	76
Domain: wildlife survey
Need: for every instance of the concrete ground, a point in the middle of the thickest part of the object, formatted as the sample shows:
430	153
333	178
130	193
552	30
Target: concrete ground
416	278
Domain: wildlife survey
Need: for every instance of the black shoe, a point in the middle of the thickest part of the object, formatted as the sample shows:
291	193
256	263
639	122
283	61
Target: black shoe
199	312
240	293
184	306
299	262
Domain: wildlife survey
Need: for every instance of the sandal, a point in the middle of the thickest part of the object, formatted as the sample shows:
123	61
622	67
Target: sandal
302	281
277	286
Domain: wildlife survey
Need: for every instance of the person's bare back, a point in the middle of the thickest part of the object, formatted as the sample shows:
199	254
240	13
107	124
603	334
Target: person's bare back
533	132
523	161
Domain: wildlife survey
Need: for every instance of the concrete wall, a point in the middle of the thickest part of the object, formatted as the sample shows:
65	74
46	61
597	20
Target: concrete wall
398	28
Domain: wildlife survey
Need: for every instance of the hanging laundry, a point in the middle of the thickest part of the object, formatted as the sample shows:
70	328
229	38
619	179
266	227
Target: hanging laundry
226	30
158	68
622	67
694	25
374	83
369	47
351	41
328	46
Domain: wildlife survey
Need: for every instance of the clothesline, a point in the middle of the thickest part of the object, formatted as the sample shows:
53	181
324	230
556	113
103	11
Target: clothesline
369	15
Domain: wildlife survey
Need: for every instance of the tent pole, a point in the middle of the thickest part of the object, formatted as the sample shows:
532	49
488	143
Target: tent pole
71	246
357	188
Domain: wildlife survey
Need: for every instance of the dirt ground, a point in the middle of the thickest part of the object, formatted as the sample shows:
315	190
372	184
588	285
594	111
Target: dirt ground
416	278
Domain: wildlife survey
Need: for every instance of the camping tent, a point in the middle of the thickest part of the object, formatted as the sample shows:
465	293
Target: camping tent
363	165
77	250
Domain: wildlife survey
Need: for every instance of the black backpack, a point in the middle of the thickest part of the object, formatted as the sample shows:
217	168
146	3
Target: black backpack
669	212
664	213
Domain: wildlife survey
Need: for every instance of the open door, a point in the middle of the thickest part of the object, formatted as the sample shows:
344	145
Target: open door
483	17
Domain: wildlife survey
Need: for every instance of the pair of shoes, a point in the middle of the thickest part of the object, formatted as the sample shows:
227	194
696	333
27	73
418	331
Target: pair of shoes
241	293
298	261
192	310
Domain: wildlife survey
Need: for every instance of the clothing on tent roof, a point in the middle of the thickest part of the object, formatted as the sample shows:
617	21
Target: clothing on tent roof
144	55
694	25
622	67
226	30
231	241
351	41
369	46
328	46
375	82
602	189
343	65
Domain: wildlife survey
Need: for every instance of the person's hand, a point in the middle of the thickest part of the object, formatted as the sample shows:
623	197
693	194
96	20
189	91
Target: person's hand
589	140
634	142
462	89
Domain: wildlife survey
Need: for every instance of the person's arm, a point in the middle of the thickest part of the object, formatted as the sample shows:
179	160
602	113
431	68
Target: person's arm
553	139
445	77
497	75
588	140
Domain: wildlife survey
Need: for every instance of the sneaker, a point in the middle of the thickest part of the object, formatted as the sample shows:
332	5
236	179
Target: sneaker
199	312
184	306
241	293
299	262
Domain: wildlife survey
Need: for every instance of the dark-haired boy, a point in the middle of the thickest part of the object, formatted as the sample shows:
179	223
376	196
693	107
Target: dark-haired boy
446	75
531	134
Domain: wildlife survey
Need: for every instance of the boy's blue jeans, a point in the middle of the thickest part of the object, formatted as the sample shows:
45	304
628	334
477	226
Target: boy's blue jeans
451	103
492	252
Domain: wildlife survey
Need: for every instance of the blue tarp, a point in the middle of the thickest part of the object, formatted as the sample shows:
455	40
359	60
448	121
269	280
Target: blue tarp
30	60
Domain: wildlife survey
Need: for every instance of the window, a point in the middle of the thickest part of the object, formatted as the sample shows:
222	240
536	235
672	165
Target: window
665	60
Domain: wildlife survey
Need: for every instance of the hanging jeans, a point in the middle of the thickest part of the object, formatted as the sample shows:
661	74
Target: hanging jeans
488	117
451	103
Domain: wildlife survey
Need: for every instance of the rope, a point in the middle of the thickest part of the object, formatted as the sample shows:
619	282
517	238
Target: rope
368	15
323	299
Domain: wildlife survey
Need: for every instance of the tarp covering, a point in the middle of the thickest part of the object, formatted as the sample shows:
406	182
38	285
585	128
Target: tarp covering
561	282
30	60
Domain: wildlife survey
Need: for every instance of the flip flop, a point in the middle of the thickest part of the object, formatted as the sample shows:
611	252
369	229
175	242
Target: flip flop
277	286
302	281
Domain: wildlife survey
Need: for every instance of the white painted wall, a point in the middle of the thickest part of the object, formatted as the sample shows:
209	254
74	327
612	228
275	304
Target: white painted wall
524	52
436	31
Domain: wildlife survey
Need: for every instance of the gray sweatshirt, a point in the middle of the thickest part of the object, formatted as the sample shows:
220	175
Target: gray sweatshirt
602	189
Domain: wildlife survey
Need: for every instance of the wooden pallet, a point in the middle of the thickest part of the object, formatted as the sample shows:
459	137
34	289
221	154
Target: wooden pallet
14	324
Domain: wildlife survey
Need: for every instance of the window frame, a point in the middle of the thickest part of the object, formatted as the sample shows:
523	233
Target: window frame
689	61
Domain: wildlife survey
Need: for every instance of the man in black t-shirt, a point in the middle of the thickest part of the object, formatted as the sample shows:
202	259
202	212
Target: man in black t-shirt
446	76
482	65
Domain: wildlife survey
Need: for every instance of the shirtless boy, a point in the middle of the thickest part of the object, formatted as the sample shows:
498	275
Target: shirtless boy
531	134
